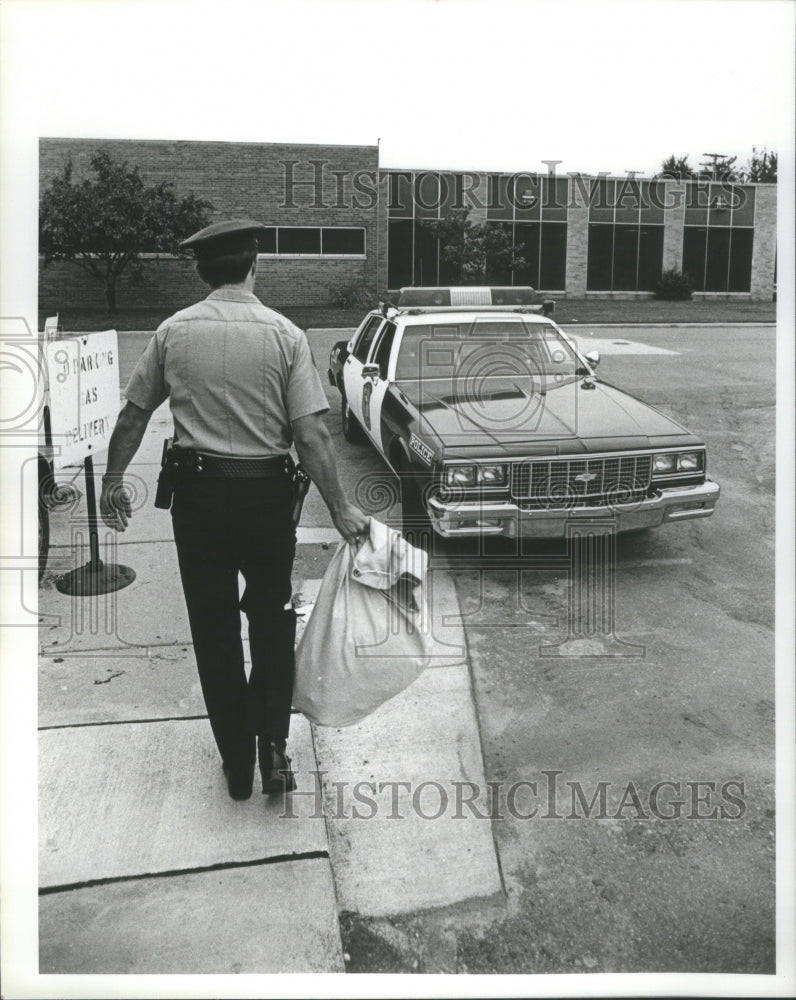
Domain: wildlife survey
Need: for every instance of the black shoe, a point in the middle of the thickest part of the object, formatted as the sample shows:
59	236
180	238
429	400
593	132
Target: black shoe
274	766
240	782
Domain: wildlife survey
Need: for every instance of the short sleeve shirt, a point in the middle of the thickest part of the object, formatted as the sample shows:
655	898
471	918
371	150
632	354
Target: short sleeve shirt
236	375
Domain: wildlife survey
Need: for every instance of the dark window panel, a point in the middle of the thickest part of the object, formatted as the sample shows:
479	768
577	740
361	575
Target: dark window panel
451	192
719	213
718	259
650	257
426	257
625	258
555	196
628	201
741	260
697	198
266	241
653	198
527	197
498	206
694	250
299	240
600	259
526	241
427	196
498	275
553	269
343	241
399	253
743	214
401	205
601	204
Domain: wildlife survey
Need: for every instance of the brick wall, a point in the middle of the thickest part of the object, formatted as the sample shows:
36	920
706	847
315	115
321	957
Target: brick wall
764	248
577	241
674	225
276	184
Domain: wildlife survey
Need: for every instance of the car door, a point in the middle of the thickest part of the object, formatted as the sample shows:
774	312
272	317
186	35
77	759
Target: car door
375	387
353	383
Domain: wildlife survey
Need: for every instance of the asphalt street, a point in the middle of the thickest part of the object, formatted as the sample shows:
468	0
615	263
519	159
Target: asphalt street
631	774
692	703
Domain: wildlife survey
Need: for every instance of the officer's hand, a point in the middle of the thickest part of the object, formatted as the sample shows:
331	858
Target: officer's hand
115	506
352	524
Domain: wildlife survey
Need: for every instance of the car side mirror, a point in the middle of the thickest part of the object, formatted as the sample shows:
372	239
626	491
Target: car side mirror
370	371
593	357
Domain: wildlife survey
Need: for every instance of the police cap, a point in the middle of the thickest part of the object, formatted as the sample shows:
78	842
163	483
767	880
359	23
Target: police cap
231	236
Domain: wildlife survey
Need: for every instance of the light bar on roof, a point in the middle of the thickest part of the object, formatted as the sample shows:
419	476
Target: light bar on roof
520	295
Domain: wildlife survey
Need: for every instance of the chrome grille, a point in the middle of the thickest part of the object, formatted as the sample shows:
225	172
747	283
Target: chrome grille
581	481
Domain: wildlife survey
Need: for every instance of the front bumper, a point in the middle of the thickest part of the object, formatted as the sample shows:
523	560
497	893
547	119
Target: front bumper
507	518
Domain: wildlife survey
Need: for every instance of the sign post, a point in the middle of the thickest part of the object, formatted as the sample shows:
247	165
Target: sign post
83	376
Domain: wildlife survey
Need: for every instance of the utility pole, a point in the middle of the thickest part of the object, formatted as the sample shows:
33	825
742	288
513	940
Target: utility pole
712	166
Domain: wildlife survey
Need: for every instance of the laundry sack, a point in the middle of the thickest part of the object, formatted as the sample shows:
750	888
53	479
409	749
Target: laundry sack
369	634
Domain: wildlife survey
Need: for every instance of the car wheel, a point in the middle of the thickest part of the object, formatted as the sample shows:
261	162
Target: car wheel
352	430
44	538
415	522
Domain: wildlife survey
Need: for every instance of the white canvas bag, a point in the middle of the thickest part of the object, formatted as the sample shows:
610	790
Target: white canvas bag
369	634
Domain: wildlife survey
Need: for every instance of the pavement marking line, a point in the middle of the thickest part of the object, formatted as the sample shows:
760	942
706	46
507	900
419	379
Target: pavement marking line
277	918
427	736
143	798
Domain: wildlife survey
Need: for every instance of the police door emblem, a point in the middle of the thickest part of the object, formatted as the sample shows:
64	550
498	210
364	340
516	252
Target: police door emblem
367	392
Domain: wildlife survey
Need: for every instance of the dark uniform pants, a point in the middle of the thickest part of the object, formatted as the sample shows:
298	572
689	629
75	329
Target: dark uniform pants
222	527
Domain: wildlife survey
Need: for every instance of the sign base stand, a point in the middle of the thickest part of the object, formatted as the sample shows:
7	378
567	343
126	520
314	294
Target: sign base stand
94	577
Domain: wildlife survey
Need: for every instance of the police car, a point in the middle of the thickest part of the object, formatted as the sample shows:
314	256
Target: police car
496	424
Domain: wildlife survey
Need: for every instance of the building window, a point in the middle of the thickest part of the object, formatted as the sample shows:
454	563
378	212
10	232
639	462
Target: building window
399	252
311	241
531	208
718	258
625	249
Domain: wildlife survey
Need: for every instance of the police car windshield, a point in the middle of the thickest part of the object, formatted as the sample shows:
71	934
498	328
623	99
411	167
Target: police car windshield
485	349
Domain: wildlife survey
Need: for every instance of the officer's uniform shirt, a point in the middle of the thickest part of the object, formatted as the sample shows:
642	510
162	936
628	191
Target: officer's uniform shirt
236	375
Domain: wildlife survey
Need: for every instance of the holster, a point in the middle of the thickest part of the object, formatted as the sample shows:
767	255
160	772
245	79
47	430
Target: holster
165	491
301	484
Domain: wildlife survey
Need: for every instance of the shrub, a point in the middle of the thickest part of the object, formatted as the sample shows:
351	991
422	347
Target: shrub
674	286
358	295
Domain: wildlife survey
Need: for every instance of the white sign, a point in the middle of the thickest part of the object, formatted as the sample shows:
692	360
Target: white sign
83	388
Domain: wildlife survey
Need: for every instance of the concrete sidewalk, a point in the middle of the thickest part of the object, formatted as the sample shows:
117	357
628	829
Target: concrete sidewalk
146	865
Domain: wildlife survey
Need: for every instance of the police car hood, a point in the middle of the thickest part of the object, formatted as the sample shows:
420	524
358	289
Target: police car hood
505	413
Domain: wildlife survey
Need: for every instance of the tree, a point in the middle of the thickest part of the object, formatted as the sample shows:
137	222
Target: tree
476	254
676	168
762	167
103	225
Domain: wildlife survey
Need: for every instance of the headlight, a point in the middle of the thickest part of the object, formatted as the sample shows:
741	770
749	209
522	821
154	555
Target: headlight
671	462
689	461
460	475
475	475
663	463
493	475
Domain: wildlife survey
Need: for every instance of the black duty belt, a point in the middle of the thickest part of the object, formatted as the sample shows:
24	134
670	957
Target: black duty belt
188	462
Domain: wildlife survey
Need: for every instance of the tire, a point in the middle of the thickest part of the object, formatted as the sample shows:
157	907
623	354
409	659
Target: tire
44	487
415	521
44	538
352	431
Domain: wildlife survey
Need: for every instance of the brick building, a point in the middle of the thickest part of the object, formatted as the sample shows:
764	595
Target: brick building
337	220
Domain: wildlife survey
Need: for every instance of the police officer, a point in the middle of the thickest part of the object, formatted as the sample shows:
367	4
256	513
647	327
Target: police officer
242	388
